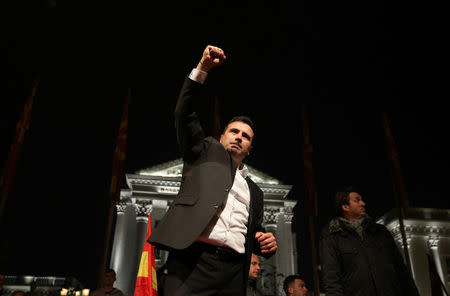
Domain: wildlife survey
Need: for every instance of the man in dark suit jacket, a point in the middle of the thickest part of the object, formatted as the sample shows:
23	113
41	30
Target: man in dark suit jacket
214	223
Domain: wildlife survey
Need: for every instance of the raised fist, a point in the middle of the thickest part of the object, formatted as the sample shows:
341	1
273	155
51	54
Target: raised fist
212	57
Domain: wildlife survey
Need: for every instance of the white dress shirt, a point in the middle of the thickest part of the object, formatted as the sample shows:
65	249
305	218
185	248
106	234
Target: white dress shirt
198	75
229	225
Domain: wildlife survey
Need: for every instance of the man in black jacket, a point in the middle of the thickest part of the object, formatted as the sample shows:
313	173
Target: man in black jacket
360	257
214	223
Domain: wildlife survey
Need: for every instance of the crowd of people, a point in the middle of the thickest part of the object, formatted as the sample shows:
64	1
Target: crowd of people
293	285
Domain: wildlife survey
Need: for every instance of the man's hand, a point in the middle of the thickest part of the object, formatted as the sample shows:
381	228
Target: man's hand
267	242
212	57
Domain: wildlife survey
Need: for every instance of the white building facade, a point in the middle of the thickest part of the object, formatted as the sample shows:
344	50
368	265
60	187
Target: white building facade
151	191
428	236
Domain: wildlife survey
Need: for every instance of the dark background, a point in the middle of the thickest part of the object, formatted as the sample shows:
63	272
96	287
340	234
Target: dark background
347	62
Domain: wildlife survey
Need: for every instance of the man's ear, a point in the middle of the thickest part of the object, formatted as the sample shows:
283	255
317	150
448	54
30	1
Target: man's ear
291	290
220	139
249	150
345	208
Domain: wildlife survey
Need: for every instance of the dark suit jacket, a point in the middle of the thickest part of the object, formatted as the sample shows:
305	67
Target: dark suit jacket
208	174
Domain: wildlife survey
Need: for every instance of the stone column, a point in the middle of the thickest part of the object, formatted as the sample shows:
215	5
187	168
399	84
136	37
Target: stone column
142	209
417	247
125	264
119	243
269	266
159	208
286	260
433	244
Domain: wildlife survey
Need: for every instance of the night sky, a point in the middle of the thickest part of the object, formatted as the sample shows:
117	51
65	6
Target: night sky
347	62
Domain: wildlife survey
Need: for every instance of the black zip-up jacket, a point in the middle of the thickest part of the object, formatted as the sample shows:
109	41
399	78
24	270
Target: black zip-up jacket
367	266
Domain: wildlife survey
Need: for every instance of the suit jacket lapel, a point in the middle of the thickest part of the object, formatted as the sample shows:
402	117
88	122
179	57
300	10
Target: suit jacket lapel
252	205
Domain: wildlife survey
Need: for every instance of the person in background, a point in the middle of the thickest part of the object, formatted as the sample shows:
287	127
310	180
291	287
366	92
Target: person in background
18	293
360	257
294	285
108	285
253	274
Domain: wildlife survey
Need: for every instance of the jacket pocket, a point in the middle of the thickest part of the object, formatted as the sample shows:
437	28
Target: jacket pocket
186	200
349	251
350	259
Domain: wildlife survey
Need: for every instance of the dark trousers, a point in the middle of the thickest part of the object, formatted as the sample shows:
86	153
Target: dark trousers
204	270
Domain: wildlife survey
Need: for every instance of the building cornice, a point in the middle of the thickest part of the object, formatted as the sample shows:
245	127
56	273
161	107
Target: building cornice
149	185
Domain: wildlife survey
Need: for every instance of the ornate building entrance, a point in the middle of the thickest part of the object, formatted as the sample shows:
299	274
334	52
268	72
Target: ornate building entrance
151	191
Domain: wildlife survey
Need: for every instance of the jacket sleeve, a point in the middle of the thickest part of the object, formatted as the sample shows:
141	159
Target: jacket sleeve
258	220
331	266
259	228
190	133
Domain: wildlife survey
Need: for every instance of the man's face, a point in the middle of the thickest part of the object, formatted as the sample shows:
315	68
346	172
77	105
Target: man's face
299	288
110	278
255	267
237	139
355	208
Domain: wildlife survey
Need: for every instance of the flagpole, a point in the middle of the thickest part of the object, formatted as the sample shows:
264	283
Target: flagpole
116	185
311	196
9	171
399	189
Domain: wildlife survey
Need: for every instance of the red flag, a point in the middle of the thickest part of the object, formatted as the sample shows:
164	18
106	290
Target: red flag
307	152
146	284
116	181
119	154
22	126
10	168
398	186
311	196
392	149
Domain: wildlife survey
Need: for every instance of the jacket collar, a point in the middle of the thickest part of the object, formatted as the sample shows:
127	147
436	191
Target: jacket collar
336	225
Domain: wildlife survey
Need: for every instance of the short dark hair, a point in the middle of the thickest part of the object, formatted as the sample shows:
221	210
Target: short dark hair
289	280
342	198
108	270
241	118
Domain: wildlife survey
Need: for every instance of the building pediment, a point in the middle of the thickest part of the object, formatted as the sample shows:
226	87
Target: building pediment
174	168
164	180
